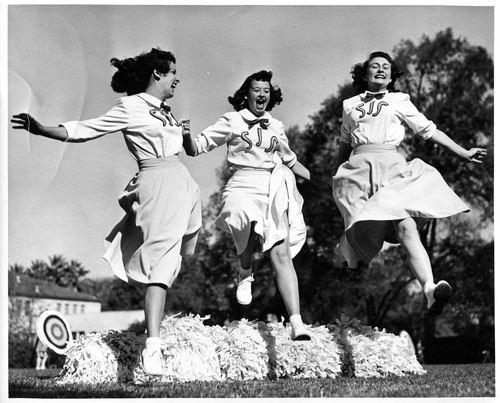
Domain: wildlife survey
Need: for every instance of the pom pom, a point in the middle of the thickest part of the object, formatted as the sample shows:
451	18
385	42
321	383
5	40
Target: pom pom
240	350
382	354
316	358
369	352
107	357
189	352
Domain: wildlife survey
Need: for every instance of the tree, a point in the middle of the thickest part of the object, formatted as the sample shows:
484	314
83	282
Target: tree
20	337
469	265
452	83
122	296
57	271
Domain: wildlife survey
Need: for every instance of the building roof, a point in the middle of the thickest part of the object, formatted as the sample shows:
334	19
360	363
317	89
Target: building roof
103	321
24	286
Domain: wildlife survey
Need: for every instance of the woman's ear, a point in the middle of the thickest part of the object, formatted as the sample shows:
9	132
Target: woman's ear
156	75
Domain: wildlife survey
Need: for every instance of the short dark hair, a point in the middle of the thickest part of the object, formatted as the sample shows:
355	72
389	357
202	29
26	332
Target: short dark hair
134	73
359	70
238	99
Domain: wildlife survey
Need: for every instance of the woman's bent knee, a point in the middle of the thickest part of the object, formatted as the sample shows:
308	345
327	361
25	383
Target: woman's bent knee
406	229
280	254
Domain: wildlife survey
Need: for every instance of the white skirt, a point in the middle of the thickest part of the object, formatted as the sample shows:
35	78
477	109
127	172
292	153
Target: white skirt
161	224
377	186
269	199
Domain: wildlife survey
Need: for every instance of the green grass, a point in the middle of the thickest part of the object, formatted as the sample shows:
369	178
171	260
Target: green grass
471	380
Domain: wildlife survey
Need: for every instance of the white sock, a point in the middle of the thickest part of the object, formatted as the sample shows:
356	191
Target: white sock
428	291
153	342
428	287
296	320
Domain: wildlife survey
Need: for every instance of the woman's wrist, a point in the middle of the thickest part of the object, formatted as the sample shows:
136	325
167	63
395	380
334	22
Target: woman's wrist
186	128
462	152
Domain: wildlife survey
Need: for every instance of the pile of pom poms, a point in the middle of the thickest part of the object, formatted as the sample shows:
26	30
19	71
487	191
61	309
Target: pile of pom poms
239	350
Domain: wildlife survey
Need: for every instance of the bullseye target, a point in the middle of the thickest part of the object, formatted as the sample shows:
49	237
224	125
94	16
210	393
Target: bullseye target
53	331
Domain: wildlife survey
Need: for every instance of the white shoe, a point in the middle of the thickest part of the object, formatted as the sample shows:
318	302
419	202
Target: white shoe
300	333
440	296
244	290
152	359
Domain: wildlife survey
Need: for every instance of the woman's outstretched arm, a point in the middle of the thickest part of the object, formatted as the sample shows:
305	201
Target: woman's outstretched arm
474	154
27	122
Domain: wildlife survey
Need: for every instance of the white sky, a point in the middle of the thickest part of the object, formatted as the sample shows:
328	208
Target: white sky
62	198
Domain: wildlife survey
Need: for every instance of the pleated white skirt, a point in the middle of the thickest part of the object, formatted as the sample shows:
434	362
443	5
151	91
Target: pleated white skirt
269	199
161	223
377	186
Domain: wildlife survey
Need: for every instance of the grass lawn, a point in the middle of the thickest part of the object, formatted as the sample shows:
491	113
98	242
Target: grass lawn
467	380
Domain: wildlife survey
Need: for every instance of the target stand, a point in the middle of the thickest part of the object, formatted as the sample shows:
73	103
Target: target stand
53	331
408	341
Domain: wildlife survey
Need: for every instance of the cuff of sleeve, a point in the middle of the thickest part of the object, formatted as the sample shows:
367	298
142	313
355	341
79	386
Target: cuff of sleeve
201	144
428	132
291	163
70	129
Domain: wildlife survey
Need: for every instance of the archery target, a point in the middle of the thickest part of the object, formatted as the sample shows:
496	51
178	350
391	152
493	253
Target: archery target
54	331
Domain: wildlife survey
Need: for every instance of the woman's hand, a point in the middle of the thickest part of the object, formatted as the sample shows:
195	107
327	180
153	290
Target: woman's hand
187	142
27	122
473	155
476	155
186	127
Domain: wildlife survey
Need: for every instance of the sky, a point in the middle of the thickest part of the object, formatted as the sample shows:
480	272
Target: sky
62	198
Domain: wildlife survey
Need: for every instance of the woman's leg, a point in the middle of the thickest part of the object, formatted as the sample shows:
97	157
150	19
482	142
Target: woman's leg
246	255
417	256
418	259
288	286
154	306
286	277
245	277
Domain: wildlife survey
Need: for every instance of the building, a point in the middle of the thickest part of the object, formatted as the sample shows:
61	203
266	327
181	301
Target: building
29	297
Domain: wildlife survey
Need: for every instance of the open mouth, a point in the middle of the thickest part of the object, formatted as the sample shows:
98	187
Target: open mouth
260	101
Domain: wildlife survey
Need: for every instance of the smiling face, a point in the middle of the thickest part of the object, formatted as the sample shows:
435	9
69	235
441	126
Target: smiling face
168	82
258	97
378	74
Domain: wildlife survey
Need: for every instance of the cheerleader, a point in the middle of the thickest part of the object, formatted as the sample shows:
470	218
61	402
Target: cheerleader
261	207
381	196
162	201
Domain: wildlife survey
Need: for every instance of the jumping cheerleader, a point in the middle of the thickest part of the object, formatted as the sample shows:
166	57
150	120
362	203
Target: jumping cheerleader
261	207
381	196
